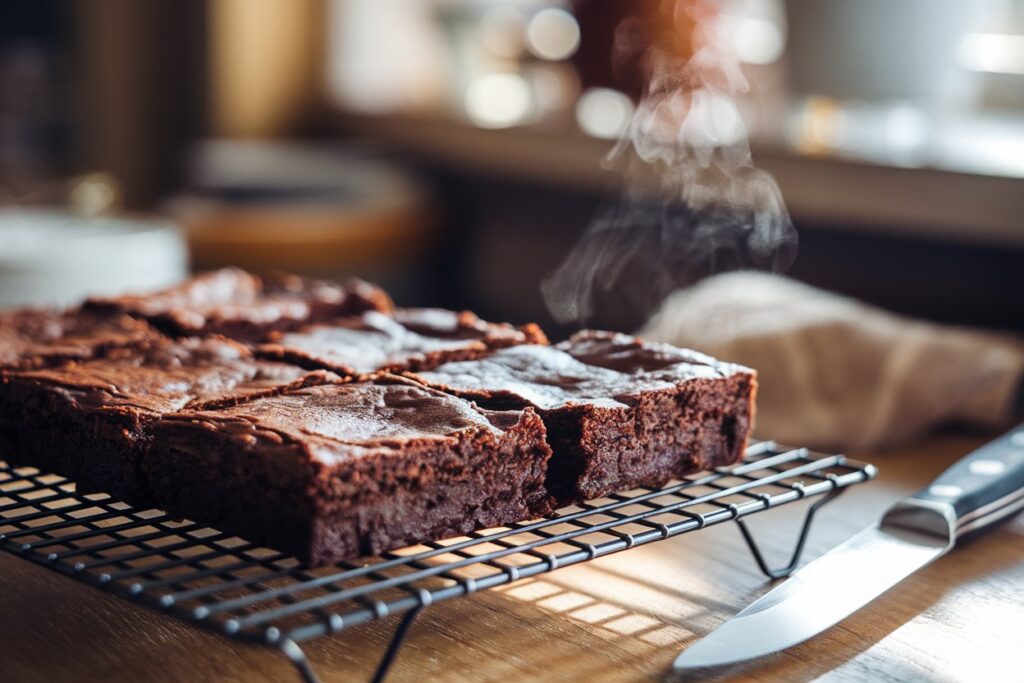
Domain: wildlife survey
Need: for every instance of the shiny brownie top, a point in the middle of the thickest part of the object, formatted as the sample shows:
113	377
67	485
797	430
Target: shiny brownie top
236	303
42	337
166	376
592	368
409	338
337	421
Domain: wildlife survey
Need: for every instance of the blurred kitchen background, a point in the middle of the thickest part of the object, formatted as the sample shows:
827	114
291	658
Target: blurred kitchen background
452	149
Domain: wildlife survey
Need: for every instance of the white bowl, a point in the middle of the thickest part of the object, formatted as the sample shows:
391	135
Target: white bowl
52	258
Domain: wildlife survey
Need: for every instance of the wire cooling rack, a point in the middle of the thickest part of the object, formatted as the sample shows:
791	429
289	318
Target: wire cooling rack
229	585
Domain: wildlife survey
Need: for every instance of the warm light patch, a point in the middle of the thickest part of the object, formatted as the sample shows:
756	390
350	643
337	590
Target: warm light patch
498	100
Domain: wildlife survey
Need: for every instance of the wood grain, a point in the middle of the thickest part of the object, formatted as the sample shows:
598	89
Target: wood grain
620	618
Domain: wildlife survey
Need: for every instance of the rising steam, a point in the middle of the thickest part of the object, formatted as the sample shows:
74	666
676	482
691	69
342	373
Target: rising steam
693	203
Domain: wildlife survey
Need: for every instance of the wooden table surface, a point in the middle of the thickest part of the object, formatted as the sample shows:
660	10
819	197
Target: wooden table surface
621	618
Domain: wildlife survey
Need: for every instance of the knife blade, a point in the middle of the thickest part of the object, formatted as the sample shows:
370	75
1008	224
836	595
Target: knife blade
980	489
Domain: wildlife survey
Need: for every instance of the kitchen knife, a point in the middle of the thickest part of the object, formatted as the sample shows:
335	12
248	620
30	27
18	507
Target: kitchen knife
974	493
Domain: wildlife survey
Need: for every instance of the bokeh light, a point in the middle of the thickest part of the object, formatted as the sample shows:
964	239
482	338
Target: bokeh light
553	34
603	112
755	40
498	100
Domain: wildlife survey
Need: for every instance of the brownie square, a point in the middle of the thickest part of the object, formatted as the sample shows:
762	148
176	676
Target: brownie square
337	471
620	412
88	420
407	339
33	337
245	307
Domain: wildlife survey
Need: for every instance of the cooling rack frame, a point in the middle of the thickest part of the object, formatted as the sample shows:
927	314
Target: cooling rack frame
228	585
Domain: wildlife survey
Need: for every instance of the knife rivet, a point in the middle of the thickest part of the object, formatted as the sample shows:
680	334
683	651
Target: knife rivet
986	467
945	490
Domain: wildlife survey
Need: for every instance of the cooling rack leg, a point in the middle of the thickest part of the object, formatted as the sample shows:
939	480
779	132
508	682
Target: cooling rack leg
798	550
395	645
297	657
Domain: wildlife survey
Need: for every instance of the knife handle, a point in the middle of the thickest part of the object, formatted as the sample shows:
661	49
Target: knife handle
984	486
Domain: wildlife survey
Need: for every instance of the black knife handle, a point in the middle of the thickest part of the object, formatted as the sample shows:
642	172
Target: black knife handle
984	486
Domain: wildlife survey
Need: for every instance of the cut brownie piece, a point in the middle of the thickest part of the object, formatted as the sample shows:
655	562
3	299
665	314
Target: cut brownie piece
88	420
620	412
242	306
33	337
336	471
408	339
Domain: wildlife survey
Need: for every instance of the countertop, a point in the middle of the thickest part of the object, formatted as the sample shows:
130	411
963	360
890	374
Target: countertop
620	618
968	202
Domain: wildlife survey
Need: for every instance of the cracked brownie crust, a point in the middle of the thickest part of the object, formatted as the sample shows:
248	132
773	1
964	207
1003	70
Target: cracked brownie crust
620	412
246	307
342	470
89	420
34	338
407	339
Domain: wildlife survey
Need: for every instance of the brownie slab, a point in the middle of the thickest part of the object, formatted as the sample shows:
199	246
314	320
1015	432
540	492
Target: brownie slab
88	420
33	337
243	306
342	470
407	339
619	412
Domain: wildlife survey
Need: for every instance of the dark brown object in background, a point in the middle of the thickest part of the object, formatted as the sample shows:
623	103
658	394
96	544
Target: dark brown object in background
615	34
976	285
620	412
138	72
146	77
242	306
337	471
407	339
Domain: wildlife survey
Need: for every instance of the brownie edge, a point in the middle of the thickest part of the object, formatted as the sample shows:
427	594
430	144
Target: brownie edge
338	471
620	412
89	421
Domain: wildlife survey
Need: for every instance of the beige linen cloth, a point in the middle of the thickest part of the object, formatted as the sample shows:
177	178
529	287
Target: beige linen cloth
835	373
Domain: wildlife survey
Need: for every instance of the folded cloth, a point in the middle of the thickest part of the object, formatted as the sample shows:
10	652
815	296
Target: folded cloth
836	373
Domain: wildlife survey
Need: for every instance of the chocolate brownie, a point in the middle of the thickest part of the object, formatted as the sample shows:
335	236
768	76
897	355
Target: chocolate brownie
88	420
34	337
341	470
243	306
620	412
408	339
